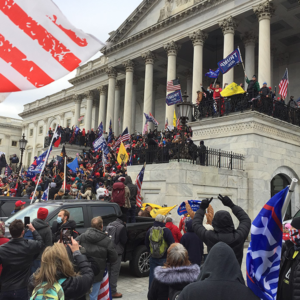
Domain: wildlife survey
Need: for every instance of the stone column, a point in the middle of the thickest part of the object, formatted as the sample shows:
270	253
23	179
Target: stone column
35	129
264	12
89	107
77	100
112	75
198	37
228	26
95	114
249	40
155	92
149	58
133	104
102	105
117	113
129	66
172	49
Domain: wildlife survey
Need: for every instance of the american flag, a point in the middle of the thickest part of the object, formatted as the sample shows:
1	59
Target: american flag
104	292
39	45
283	85
154	121
139	182
8	170
81	118
173	85
125	136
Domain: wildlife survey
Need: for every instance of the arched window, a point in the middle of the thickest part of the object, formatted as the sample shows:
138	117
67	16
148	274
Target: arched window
278	183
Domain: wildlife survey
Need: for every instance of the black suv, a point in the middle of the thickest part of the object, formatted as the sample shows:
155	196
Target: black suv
83	211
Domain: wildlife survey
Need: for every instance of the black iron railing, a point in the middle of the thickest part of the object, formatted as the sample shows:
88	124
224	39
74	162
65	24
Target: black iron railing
240	103
188	153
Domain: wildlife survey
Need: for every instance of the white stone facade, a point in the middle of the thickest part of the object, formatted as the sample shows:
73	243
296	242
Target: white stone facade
10	134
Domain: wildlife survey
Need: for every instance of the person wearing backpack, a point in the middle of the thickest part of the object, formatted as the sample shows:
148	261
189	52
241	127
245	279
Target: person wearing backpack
158	239
118	234
57	279
121	195
133	192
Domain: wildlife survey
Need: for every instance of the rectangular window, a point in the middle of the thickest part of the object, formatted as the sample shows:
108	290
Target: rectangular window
14	143
41	130
31	132
0	141
76	214
69	122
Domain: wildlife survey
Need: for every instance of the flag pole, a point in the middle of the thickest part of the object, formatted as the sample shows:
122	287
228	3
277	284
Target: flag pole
242	60
288	197
48	191
65	171
46	160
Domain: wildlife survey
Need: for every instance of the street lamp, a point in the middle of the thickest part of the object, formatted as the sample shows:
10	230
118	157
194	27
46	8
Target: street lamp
22	145
184	109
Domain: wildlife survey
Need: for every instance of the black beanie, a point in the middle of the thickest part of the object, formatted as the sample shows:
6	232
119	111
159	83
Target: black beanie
296	223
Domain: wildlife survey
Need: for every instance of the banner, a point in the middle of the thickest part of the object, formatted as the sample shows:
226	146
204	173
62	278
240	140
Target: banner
100	143
161	211
195	205
230	61
174	98
213	74
232	89
38	164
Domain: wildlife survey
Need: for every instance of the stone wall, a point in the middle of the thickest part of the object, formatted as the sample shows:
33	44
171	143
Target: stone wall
270	147
175	182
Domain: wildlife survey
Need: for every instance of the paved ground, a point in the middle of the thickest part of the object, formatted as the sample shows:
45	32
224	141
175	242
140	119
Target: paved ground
134	288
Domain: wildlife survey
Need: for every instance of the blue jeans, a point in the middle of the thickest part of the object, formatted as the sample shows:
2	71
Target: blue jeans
131	214
155	262
95	291
20	294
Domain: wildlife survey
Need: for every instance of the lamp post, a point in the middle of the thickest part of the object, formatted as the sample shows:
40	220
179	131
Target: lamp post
22	144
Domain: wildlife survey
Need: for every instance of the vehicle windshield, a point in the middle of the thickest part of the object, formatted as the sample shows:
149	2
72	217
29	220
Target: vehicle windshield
29	211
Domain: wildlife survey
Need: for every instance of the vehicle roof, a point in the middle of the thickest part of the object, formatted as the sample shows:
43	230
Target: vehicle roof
72	201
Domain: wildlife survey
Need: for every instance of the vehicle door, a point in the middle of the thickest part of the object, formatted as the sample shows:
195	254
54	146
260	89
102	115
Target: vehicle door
107	212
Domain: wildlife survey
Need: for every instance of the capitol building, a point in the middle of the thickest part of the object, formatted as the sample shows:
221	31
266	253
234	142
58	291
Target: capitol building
165	39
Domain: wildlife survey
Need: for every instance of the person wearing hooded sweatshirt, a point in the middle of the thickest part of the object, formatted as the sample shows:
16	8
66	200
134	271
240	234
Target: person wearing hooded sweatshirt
220	278
224	230
133	191
174	229
101	248
193	244
289	276
44	230
61	223
176	274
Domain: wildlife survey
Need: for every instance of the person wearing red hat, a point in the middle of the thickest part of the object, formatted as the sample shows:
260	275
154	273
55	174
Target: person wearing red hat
19	205
43	229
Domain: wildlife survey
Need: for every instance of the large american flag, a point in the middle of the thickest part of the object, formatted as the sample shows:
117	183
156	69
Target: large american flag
283	85
38	45
125	136
139	182
104	292
173	85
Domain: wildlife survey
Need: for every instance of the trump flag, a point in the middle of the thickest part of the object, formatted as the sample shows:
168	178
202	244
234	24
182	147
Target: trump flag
264	252
38	45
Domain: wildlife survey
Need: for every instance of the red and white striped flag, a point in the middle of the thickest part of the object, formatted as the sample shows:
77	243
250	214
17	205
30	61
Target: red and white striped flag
104	292
173	85
81	118
283	85
38	45
139	182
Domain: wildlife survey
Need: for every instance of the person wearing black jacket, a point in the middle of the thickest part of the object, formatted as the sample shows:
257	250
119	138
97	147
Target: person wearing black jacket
76	286
133	191
16	257
101	248
2	162
223	227
220	278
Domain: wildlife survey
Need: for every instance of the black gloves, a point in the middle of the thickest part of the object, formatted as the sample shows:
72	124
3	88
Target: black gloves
226	201
205	203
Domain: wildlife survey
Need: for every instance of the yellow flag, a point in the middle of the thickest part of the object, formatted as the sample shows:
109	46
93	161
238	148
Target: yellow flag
161	211
232	89
122	155
151	204
174	119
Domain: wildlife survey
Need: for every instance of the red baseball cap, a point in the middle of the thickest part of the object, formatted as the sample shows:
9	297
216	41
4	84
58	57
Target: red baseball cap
19	203
42	213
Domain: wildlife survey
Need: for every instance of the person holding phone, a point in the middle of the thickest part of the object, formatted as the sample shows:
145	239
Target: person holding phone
16	257
224	230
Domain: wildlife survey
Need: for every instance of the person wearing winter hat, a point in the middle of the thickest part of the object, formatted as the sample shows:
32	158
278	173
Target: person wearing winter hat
264	91
288	287
43	229
19	205
253	87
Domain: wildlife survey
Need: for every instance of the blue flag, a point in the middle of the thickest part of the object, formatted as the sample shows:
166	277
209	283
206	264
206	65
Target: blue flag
76	129
230	61
264	252
148	119
100	127
195	205
213	74
174	98
110	133
38	164
73	165
45	195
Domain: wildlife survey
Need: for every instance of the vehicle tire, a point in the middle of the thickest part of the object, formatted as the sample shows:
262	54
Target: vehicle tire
140	262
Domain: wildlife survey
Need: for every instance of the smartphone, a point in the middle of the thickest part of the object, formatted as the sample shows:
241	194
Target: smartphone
65	236
26	221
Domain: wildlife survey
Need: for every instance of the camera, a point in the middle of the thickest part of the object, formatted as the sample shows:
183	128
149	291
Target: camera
65	236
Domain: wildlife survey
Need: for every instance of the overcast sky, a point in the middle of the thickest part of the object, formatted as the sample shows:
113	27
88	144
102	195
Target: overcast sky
97	17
